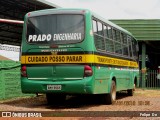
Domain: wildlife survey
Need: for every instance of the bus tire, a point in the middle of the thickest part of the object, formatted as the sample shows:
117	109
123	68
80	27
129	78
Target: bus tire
111	97
55	98
130	92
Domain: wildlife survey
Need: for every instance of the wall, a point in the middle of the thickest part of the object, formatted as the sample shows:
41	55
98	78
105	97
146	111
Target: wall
10	84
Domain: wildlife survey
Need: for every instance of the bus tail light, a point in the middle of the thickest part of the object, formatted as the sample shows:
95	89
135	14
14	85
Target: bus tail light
87	71
24	71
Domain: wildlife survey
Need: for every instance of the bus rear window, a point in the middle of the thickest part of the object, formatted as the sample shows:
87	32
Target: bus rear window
55	29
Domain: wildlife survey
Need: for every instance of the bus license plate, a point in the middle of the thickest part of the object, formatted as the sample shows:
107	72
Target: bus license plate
54	87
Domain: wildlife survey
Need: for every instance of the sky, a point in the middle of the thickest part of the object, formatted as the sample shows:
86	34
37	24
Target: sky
116	9
108	9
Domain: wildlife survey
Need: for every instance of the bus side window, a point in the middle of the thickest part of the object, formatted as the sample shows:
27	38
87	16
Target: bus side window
124	44
100	29
118	38
118	48
108	42
114	34
98	35
118	44
105	31
109	32
94	26
109	45
130	46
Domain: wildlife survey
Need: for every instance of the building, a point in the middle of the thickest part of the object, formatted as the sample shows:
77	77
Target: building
147	33
11	18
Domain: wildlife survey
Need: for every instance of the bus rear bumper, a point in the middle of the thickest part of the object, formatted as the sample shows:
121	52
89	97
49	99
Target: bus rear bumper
83	86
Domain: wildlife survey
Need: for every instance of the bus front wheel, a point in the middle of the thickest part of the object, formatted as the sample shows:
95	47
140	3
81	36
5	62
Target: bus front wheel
111	97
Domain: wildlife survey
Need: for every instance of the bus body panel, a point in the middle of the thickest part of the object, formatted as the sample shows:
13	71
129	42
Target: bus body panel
41	66
67	87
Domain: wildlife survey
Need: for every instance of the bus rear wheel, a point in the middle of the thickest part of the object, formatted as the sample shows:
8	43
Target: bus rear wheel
130	92
55	98
111	97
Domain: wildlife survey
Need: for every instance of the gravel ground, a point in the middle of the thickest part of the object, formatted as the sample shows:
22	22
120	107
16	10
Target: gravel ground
144	101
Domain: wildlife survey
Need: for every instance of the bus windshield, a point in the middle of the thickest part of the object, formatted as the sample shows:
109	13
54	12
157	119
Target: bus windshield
55	29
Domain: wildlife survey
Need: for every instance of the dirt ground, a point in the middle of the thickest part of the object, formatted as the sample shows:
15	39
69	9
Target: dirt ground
145	104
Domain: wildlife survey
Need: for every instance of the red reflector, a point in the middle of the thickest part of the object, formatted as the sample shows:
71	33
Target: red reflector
24	71
29	14
23	68
87	71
